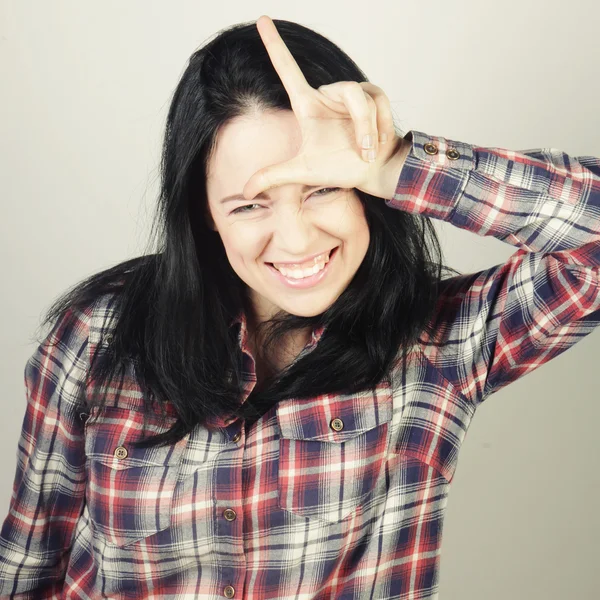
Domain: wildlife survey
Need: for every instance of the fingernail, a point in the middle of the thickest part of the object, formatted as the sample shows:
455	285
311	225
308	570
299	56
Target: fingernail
367	141
371	155
383	138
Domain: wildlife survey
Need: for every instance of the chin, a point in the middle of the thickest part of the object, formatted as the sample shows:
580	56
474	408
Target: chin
307	311
301	313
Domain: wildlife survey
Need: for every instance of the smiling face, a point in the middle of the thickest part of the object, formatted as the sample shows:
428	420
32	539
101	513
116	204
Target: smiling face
287	224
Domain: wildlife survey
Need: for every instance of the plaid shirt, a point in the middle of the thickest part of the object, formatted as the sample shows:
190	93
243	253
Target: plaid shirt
341	497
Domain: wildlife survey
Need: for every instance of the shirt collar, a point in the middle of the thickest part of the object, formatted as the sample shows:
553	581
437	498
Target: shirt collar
242	335
241	322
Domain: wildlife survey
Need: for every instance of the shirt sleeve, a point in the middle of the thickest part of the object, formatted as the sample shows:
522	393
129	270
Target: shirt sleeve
49	485
496	325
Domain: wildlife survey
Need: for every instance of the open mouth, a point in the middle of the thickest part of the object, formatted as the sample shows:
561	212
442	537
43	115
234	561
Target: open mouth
303	278
325	259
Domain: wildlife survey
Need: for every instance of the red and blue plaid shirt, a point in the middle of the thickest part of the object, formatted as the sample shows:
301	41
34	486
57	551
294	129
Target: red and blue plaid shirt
340	497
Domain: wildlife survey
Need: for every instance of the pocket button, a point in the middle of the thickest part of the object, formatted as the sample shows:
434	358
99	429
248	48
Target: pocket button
337	424
121	452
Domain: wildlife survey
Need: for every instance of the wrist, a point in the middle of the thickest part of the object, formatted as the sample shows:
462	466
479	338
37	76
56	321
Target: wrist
392	169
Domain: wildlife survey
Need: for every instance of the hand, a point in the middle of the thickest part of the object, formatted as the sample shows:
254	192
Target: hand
333	121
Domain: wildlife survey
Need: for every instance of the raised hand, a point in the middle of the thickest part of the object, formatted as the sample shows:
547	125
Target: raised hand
348	135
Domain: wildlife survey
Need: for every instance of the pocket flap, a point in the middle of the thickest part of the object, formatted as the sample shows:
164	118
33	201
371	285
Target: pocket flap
335	417
110	431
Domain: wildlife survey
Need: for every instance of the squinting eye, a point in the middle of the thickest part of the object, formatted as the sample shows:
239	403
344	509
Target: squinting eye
246	208
242	209
327	190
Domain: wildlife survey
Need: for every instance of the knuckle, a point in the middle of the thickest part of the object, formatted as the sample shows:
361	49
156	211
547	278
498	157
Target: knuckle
372	89
352	86
371	101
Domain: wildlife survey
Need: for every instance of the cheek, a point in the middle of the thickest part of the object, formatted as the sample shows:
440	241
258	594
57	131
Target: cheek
242	247
359	244
350	222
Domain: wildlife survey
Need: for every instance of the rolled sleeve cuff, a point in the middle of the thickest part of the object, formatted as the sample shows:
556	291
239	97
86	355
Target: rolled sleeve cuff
433	176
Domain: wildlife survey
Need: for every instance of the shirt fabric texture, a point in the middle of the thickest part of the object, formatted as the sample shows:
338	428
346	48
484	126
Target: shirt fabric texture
337	497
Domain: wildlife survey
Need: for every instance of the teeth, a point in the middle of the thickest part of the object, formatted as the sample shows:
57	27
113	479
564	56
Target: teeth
301	273
322	258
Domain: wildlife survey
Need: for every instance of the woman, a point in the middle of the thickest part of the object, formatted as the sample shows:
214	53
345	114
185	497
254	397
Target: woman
299	371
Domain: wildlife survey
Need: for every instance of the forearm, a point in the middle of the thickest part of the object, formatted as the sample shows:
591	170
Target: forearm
540	200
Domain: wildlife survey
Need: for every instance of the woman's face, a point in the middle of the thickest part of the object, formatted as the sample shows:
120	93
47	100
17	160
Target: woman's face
286	224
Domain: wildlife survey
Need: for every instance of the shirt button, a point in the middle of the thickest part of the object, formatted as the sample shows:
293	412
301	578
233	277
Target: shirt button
236	437
452	153
229	592
229	514
337	424
430	148
121	452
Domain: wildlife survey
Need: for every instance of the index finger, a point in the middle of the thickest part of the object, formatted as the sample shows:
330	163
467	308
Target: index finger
287	68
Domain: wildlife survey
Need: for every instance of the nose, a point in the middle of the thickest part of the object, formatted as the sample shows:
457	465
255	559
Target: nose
294	234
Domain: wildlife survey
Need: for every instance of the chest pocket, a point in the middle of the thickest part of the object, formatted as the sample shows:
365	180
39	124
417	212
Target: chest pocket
130	490
332	451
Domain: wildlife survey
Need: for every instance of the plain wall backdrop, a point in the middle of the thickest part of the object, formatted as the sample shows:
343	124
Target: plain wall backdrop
84	95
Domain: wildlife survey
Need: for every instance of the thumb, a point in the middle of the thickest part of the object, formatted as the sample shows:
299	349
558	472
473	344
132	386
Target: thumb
292	171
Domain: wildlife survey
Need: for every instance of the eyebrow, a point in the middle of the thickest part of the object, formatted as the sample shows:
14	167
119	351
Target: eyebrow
261	196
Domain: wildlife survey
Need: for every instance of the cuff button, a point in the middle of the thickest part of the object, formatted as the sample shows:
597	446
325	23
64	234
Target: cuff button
430	148
452	153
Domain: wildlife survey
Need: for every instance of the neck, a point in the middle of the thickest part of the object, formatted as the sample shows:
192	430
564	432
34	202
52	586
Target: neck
283	351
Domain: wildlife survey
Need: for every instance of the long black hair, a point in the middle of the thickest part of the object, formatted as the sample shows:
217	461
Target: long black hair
173	308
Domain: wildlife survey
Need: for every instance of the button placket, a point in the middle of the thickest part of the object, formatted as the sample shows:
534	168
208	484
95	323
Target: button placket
230	514
228	527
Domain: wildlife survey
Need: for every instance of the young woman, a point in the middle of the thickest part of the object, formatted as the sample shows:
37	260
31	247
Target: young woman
272	405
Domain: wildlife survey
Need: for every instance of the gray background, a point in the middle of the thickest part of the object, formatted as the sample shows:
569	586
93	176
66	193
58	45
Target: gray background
85	90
